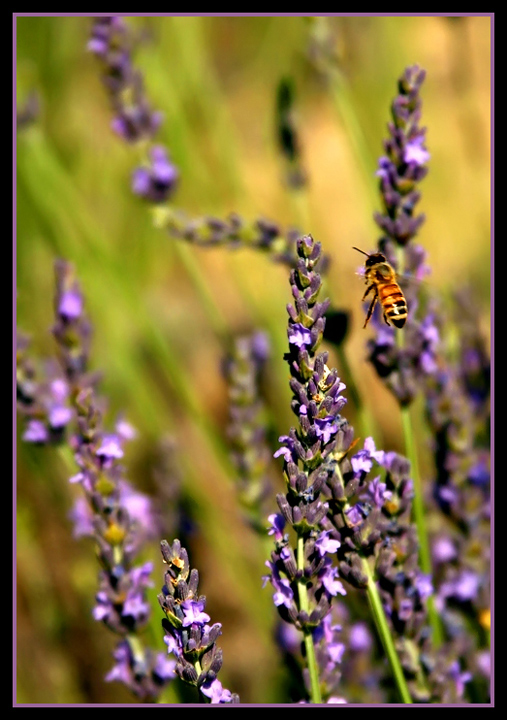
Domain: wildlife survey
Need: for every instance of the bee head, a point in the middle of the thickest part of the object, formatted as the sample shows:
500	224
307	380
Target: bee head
375	259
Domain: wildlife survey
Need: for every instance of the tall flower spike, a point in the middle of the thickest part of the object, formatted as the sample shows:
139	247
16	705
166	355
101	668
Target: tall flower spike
303	577
111	511
403	366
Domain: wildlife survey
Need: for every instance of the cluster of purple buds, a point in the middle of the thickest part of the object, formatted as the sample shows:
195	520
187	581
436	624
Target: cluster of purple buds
319	574
44	404
119	518
329	649
134	121
145	672
404	164
372	516
189	637
48	404
155	180
72	330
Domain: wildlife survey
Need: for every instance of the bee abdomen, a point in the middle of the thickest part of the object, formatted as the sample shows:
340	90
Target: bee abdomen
394	304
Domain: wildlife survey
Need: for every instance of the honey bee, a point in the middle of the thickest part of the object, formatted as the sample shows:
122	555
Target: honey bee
381	278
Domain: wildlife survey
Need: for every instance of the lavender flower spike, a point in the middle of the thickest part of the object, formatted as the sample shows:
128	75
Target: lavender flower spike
189	637
303	577
246	431
404	361
118	518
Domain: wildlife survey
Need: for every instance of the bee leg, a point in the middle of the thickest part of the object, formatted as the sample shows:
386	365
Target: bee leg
387	321
371	308
368	291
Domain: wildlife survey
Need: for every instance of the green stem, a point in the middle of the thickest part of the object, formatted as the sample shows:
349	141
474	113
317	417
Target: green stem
385	633
418	504
313	670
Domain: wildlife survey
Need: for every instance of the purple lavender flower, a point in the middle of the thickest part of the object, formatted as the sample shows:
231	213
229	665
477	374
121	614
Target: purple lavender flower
134	120
71	329
362	461
284	594
360	638
193	613
70	306
330	650
326	544
299	335
373	518
36	432
188	636
459	420
116	516
376	493
157	181
137	122
147	675
214	690
104	36
44	404
277	526
415	153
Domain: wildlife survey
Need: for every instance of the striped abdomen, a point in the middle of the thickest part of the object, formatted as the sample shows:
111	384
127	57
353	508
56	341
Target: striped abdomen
393	303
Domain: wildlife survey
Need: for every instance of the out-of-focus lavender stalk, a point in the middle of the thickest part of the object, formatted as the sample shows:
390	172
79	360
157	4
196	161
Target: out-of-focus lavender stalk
233	232
457	406
119	518
246	430
189	637
156	179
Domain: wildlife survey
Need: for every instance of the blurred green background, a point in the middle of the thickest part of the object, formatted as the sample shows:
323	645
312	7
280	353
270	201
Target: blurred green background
153	301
